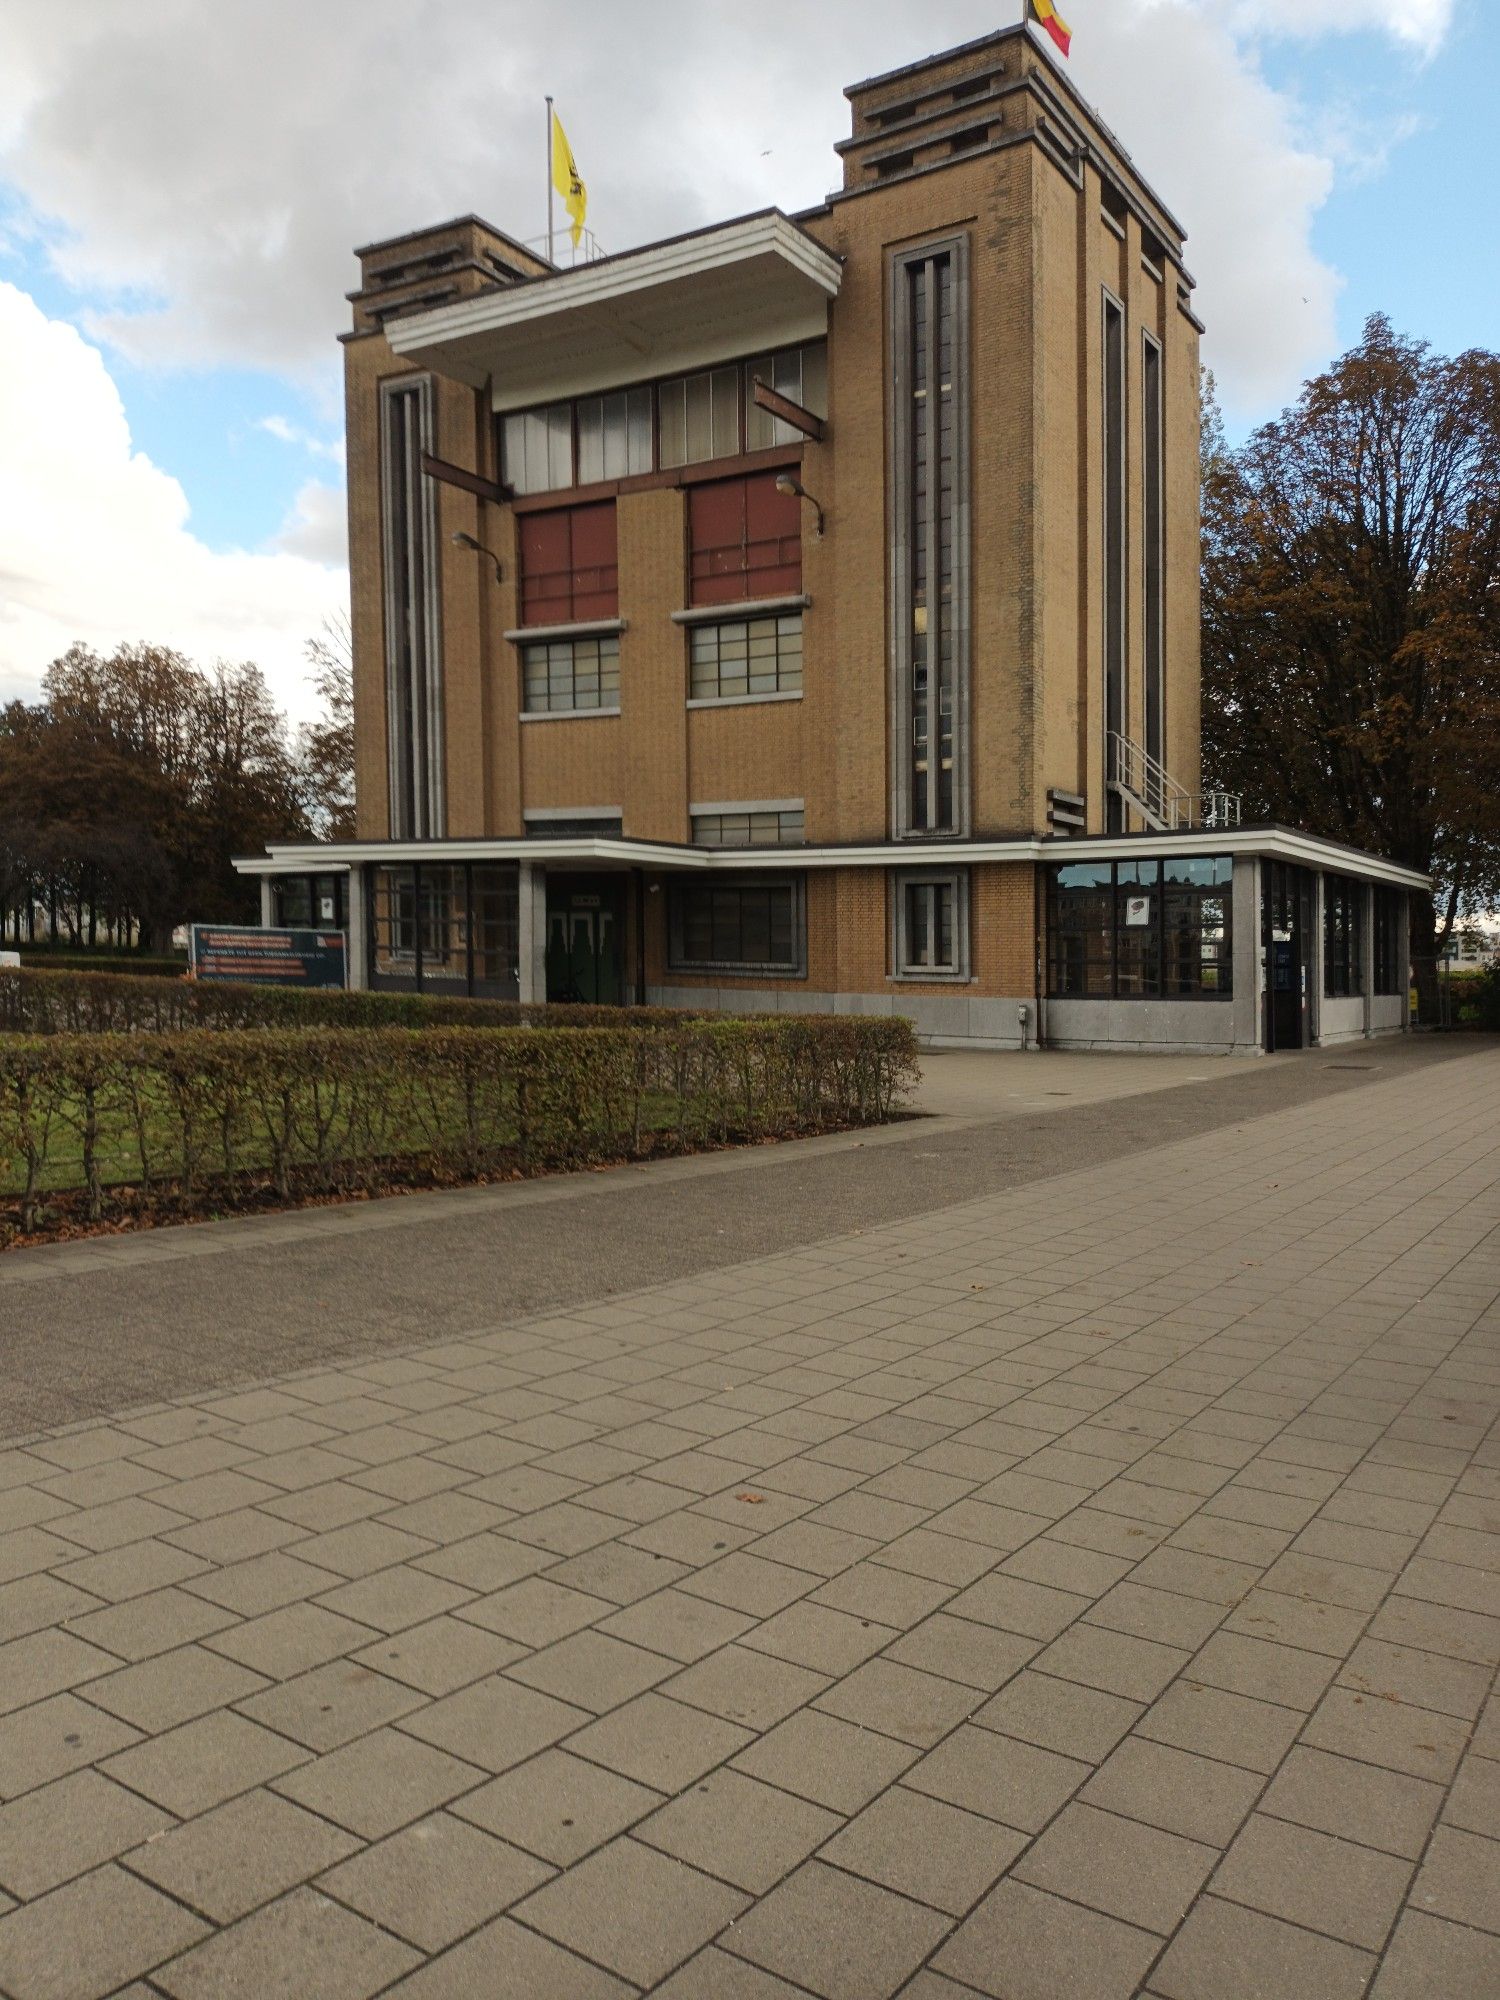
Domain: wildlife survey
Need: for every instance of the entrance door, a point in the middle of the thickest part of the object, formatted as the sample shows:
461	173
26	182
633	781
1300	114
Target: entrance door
583	946
1286	932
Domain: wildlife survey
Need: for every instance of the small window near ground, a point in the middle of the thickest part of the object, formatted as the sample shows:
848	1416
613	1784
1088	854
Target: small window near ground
737	927
931	925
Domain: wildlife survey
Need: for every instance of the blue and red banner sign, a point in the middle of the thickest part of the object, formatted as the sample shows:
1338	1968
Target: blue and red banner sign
255	957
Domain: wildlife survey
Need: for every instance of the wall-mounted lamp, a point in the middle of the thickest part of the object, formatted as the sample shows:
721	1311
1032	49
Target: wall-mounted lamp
788	483
462	541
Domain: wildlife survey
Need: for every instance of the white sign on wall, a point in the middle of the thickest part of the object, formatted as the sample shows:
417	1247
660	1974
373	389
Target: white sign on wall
1137	911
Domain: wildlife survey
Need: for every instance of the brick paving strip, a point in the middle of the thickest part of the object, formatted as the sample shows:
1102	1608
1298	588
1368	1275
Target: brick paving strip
1090	1589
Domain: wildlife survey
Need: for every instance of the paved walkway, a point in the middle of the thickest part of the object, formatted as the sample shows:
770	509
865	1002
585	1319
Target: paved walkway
92	1326
1086	1590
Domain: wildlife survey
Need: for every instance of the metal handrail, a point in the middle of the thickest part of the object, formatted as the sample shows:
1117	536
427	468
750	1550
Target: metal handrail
1150	787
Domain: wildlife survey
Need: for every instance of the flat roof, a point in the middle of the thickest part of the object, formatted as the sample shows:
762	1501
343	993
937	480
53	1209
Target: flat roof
711	294
1276	842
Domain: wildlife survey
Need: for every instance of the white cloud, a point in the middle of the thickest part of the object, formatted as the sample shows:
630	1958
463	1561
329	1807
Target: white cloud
317	527
207	204
95	541
286	432
1422	23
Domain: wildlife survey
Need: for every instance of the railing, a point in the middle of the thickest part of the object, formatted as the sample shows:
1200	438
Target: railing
1146	784
562	248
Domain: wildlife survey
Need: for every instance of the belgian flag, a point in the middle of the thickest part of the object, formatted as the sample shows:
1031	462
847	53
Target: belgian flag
1046	16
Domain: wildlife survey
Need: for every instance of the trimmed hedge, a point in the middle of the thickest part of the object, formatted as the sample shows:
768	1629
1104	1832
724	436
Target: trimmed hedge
36	1002
125	1126
1476	999
149	965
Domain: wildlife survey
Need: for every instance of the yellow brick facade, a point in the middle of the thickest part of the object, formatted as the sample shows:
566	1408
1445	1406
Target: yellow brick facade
1029	196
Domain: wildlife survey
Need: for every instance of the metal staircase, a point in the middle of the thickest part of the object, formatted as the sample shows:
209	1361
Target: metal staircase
1148	789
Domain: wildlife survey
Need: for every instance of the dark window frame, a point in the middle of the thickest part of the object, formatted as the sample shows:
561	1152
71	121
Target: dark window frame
1389	978
681	898
415	919
1143	971
1343	938
955	884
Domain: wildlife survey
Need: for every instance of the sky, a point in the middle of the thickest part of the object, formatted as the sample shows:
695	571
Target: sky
181	187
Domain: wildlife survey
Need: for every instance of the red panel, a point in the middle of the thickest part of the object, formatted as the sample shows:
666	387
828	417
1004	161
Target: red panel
745	540
569	570
596	573
546	569
773	552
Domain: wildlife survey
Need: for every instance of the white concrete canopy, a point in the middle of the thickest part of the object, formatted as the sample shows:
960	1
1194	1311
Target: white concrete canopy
760	282
1278	843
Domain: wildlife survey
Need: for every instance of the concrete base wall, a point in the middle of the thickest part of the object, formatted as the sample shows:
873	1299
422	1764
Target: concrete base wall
1176	1027
1387	1013
942	1020
1341	1021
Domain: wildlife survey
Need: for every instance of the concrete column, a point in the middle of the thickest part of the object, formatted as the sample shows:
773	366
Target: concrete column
1367	958
1315	969
531	940
267	904
359	931
1245	926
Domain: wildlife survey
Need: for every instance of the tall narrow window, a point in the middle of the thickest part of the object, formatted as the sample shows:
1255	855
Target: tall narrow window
1153	549
413	659
931	525
1114	543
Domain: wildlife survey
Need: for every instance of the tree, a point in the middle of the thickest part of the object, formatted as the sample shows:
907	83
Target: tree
325	748
1351	619
126	793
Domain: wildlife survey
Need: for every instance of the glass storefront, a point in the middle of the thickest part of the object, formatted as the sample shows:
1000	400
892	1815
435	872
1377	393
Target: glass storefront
311	902
1141	930
446	928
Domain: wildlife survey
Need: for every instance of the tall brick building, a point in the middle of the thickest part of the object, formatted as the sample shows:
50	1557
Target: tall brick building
803	613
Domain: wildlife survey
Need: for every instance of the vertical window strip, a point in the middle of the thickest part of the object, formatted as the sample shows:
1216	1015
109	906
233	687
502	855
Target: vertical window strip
930	567
413	670
1116	713
1154	548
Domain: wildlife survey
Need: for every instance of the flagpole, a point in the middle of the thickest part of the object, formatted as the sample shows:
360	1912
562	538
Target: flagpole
551	258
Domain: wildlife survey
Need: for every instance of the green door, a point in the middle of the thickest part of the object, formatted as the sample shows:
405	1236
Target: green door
583	946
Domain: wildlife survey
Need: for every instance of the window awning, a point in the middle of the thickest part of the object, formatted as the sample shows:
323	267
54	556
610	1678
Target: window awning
736	289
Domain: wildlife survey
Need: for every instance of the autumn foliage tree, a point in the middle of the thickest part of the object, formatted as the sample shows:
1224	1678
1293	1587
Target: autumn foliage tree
1351	606
126	791
325	748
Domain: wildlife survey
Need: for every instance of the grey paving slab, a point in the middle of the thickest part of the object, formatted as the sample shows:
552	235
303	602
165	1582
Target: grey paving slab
1075	1579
